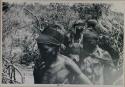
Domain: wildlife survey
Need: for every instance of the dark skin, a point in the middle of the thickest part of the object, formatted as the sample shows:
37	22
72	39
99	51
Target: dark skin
48	51
89	44
55	68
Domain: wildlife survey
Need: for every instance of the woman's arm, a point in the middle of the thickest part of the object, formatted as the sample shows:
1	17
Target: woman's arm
73	67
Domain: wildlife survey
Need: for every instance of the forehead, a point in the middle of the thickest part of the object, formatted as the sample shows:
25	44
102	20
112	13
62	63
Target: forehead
50	45
90	35
79	25
47	44
90	38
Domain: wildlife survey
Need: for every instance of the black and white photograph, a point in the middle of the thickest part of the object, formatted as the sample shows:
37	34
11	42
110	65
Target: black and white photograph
75	43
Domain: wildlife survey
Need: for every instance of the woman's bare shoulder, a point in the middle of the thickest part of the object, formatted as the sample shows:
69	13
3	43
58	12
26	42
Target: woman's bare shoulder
66	59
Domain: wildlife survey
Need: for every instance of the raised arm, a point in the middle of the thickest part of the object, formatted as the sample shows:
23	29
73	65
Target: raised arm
73	67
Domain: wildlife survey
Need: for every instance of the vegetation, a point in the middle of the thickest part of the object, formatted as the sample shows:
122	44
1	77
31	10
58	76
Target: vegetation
23	22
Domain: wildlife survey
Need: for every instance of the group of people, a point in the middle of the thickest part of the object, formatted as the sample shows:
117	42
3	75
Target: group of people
72	57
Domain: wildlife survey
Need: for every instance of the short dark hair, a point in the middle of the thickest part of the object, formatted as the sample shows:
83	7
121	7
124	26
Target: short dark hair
51	35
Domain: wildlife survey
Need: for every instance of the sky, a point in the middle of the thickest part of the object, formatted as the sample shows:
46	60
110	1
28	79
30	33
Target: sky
118	7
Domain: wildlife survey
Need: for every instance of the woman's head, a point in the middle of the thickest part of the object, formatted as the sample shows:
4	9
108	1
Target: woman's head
90	39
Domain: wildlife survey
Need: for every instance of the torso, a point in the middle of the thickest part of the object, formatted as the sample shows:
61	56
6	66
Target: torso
92	67
56	73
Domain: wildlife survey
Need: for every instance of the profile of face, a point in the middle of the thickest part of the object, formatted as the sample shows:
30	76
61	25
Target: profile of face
48	51
90	42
